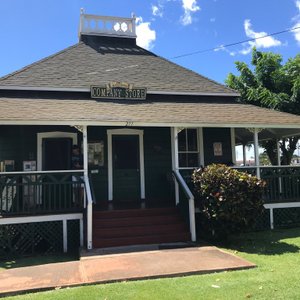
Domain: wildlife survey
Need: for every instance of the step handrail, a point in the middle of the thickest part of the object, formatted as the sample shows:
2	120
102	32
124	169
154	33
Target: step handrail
178	177
89	206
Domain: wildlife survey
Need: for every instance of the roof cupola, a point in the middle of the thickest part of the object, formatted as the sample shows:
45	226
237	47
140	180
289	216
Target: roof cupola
107	26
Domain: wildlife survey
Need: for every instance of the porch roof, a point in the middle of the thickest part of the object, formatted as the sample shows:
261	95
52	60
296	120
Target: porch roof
121	113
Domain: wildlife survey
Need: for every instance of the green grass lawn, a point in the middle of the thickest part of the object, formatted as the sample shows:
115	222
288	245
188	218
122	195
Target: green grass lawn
277	276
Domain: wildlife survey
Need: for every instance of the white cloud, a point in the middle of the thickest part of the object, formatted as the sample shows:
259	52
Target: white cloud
189	7
157	10
297	19
222	48
297	32
145	35
260	42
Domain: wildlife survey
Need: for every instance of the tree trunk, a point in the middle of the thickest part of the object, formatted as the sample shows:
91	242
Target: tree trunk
271	150
287	147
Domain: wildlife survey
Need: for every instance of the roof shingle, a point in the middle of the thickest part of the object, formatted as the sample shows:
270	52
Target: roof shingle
99	61
18	110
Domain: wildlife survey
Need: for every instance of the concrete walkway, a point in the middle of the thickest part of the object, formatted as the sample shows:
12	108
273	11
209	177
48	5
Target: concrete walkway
119	267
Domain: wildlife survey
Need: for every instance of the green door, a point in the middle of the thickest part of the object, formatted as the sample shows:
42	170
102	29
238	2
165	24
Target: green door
126	167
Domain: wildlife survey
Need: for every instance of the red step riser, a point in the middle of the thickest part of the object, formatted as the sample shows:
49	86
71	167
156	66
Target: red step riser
111	223
104	243
139	231
130	213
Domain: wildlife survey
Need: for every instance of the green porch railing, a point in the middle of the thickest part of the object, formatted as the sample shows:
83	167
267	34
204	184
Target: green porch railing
30	193
283	182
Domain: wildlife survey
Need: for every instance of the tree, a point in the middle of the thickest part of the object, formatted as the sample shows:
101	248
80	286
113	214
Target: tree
274	85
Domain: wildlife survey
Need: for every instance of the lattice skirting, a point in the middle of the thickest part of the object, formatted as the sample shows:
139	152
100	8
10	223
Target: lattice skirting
263	221
286	217
37	238
283	218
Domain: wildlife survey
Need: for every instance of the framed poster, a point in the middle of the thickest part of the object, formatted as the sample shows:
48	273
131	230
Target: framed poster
218	151
96	153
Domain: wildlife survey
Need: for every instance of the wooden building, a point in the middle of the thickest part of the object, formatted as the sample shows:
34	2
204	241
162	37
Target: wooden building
143	124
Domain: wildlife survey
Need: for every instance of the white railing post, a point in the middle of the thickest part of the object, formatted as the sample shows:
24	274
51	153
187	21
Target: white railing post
256	152
65	236
88	190
133	23
191	200
271	219
192	219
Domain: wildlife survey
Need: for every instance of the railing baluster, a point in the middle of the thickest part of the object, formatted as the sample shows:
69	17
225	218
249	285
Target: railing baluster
283	182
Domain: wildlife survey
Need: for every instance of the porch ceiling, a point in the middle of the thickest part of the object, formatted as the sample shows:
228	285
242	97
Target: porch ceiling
146	113
244	136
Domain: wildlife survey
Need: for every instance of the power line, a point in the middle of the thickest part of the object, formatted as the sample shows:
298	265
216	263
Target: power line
234	44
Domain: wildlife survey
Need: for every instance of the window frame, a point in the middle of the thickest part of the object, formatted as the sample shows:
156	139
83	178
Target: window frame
187	152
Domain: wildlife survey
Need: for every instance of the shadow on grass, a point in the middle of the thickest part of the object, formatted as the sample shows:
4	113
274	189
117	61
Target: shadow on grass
266	242
35	261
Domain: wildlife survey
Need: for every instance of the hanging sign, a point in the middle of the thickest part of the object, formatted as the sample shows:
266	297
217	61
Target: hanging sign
118	90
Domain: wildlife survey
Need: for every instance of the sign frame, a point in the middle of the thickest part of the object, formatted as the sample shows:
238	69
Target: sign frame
118	91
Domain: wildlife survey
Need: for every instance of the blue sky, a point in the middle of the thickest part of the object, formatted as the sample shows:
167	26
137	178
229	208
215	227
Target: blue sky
32	29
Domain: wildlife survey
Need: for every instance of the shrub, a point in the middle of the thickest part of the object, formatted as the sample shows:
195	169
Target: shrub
230	201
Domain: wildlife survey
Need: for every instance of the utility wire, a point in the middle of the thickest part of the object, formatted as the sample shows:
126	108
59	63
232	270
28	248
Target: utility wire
234	44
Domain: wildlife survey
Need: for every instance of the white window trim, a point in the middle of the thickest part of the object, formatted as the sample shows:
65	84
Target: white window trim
200	149
53	134
125	131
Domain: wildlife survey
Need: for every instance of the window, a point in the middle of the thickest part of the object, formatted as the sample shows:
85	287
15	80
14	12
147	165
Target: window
188	148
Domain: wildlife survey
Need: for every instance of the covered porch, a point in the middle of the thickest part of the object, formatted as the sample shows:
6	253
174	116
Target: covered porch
156	174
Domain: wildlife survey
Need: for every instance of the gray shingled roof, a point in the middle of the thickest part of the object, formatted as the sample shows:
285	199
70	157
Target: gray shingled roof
76	112
102	61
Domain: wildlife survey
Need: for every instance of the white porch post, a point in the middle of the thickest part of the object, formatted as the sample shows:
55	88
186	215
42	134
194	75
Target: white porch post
279	164
175	166
233	155
244	155
256	152
278	152
89	203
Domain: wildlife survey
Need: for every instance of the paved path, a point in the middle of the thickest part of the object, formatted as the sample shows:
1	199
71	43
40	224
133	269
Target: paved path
118	267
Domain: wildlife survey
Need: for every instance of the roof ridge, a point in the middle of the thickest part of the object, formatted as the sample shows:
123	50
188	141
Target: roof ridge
38	62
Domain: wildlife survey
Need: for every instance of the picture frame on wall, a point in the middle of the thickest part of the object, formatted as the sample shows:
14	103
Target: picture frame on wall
96	154
218	151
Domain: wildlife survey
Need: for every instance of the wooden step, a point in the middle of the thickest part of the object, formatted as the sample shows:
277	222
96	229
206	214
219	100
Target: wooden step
145	230
140	240
128	213
136	221
138	226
